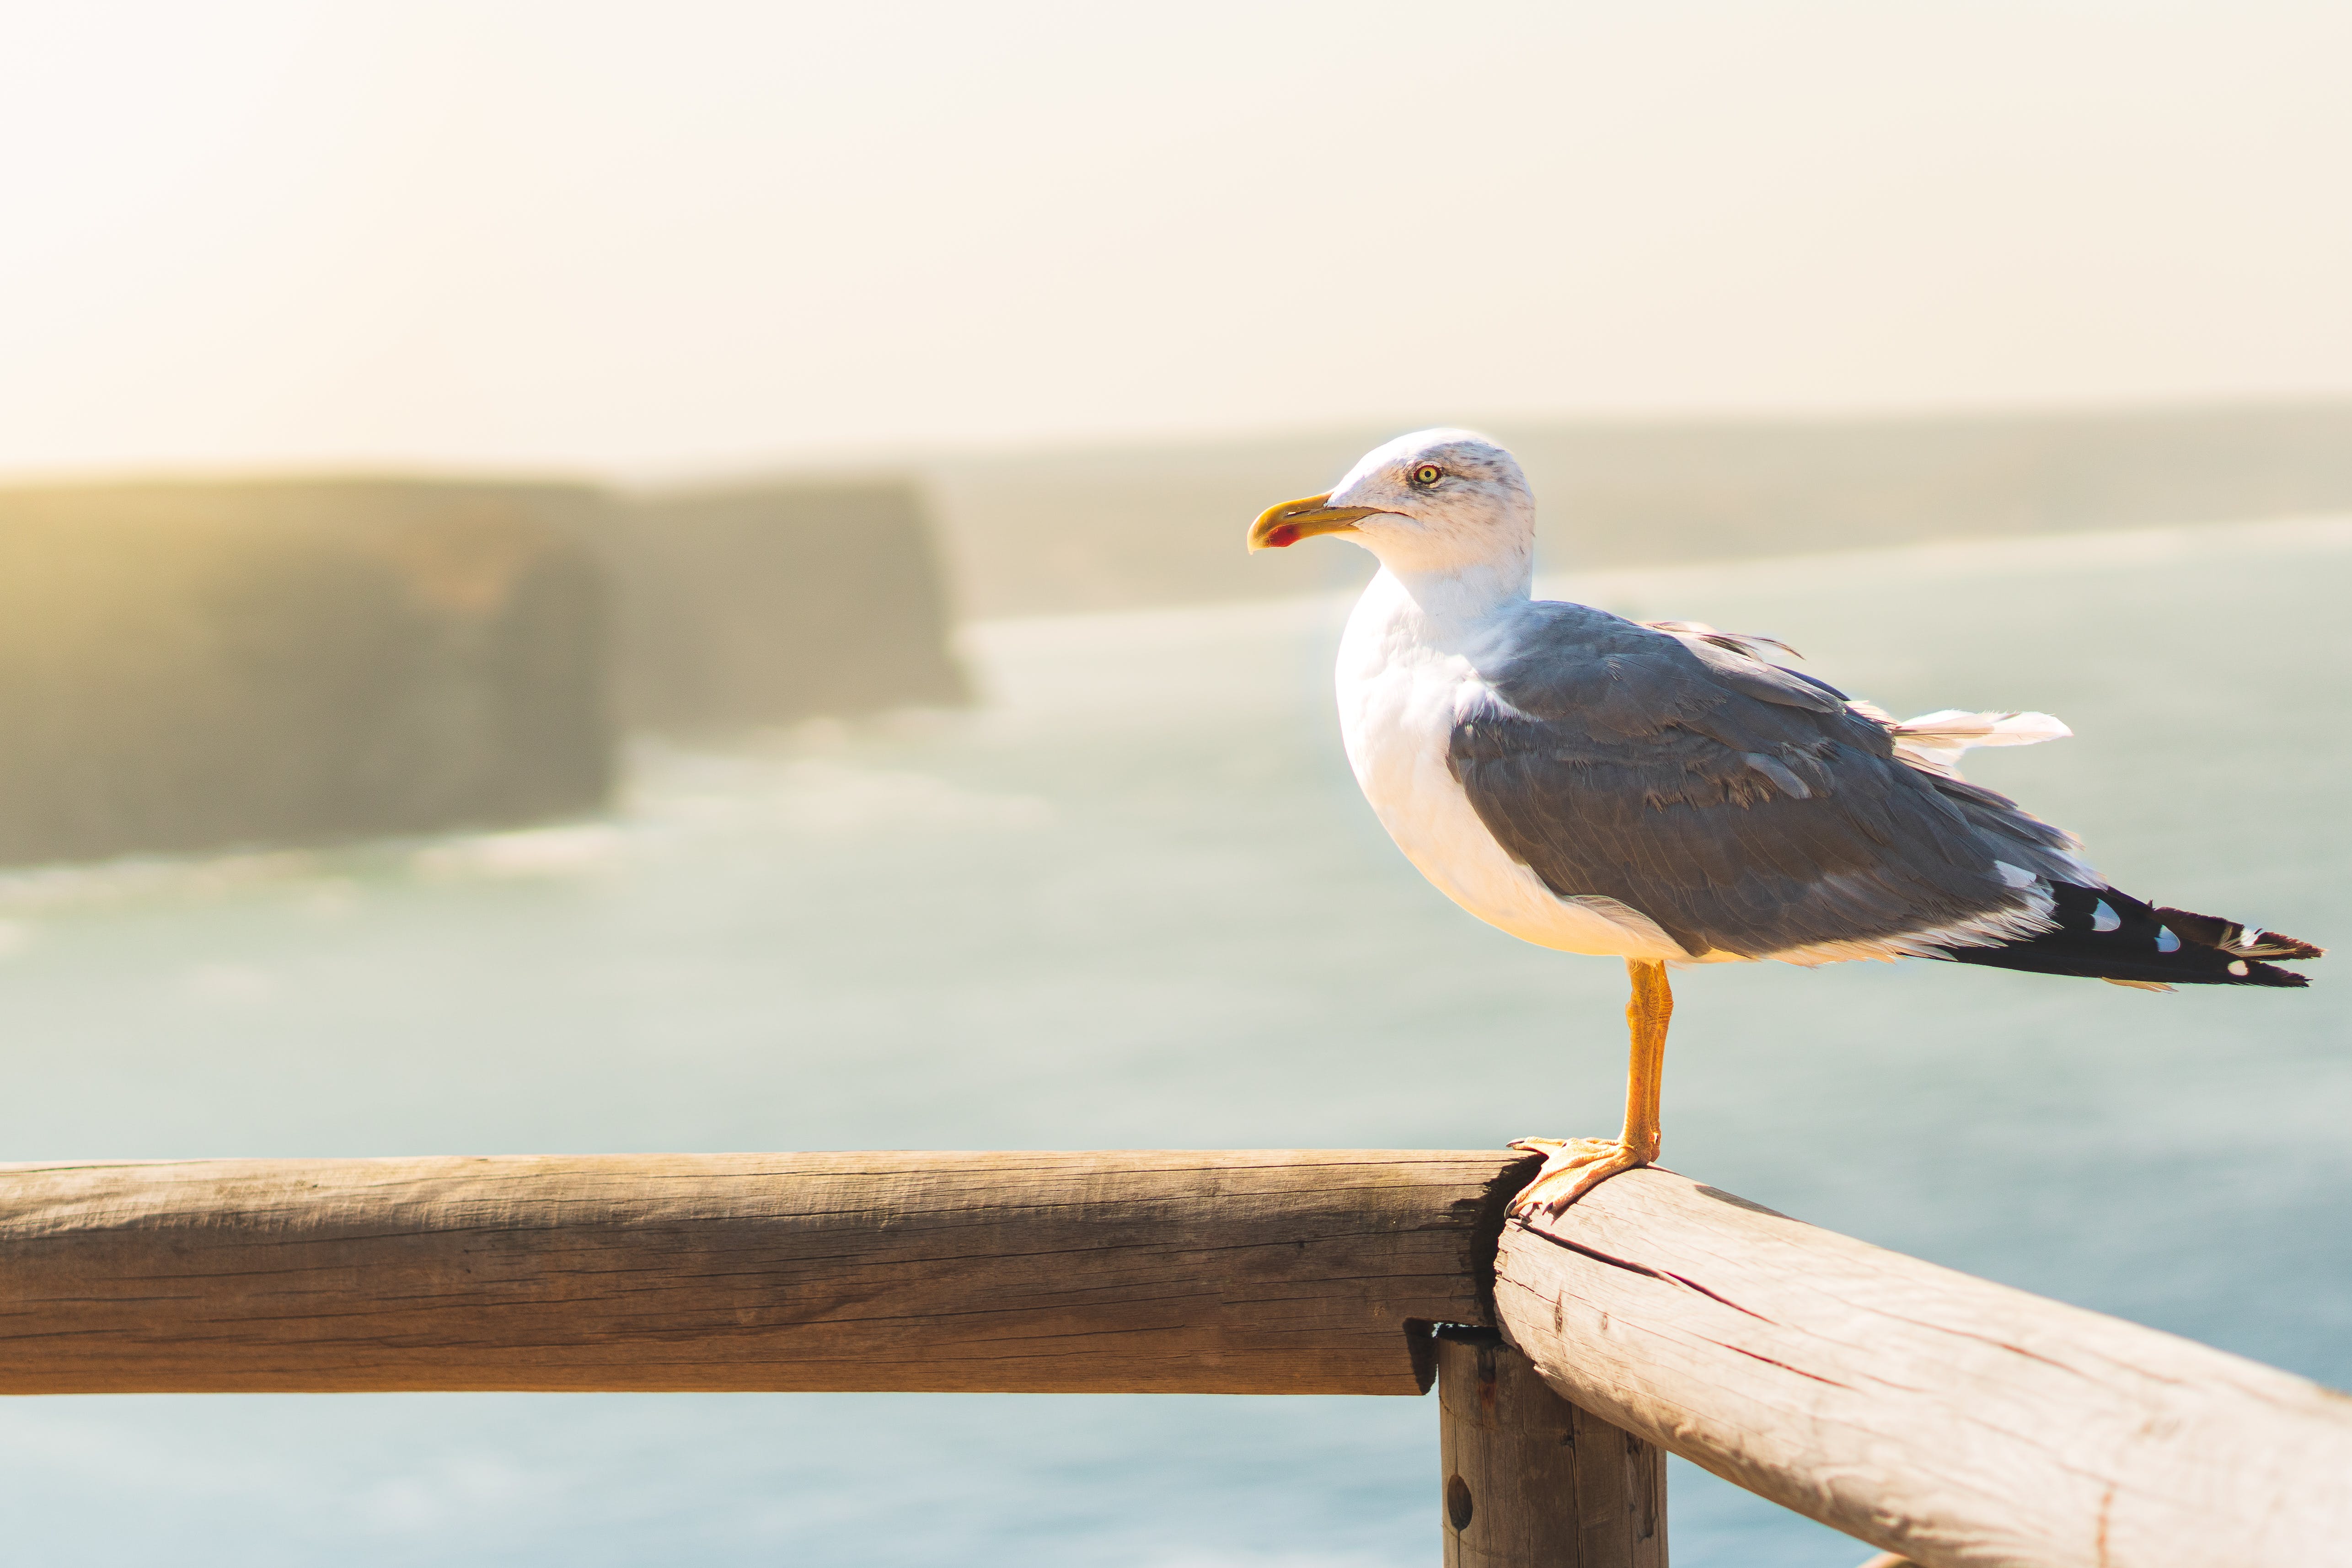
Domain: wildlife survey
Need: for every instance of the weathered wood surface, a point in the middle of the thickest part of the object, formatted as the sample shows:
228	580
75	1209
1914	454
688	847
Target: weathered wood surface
1237	1272
1531	1480
1939	1417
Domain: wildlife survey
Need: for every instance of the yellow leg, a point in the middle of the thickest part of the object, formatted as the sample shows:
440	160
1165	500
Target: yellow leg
1574	1166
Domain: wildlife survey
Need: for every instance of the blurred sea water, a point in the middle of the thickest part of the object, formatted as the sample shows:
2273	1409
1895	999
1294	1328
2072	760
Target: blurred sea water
1134	901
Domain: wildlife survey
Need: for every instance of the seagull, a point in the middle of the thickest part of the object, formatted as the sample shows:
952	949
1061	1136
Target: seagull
1668	794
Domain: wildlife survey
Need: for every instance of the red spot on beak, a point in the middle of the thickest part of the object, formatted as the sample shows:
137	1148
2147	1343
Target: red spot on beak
1281	538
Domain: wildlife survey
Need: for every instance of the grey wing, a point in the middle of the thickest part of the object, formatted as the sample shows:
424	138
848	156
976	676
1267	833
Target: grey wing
1745	808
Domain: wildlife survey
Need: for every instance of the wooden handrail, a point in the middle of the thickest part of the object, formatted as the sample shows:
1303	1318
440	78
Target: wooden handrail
1271	1272
1953	1421
1950	1421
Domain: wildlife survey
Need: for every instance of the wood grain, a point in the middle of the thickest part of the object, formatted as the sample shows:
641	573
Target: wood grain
1531	1482
1233	1272
1950	1420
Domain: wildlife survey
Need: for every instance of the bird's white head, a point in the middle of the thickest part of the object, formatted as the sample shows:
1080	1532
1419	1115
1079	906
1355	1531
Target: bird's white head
1441	503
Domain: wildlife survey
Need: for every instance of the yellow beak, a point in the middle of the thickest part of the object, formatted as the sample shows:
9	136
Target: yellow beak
1280	528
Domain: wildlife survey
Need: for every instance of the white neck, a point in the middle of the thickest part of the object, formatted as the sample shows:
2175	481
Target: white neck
1465	591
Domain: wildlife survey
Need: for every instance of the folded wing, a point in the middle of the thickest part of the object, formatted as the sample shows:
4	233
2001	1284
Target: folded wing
1747	808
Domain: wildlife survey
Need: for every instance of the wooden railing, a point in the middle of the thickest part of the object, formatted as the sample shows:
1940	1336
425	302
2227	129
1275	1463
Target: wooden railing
1938	1416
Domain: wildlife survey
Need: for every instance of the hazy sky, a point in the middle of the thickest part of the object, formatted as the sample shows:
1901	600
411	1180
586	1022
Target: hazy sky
662	237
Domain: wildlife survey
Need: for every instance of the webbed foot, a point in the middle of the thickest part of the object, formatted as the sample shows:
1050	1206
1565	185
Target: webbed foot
1571	1168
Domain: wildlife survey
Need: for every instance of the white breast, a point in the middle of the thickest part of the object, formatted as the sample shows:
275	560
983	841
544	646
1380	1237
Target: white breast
1404	684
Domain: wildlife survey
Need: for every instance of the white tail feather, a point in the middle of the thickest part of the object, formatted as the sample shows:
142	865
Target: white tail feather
1938	739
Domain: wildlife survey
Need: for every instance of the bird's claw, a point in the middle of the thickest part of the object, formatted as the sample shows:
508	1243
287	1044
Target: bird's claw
1571	1168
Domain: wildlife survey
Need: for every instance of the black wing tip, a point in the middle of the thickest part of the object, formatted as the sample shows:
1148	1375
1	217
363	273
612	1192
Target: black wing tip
2256	972
2241	941
2105	934
2037	955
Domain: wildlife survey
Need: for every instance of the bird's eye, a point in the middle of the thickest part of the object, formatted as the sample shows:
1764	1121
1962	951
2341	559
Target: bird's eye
1428	474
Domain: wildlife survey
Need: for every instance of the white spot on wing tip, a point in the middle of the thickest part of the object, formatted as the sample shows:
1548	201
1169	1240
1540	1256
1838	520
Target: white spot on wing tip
2166	942
2103	918
2238	968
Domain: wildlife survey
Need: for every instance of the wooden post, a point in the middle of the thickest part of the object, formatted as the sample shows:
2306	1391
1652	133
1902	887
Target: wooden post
1531	1482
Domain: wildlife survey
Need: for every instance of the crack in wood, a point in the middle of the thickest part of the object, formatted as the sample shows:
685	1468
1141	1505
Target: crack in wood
1668	1276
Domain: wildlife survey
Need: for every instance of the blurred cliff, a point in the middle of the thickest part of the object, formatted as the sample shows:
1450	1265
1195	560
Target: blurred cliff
187	666
190	665
765	603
